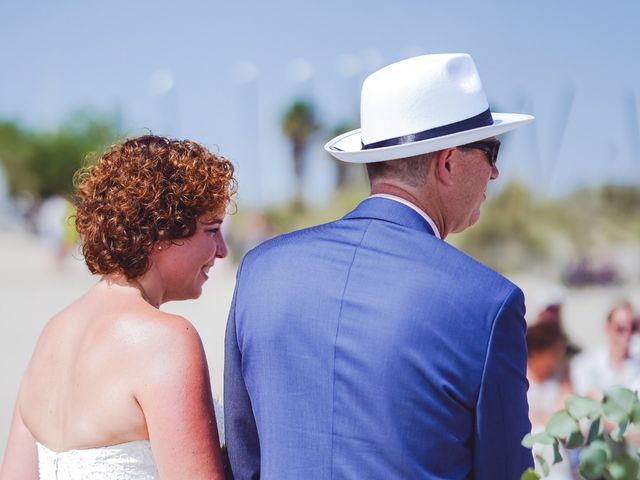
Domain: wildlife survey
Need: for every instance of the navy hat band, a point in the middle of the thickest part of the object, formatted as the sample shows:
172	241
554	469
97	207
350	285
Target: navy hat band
482	120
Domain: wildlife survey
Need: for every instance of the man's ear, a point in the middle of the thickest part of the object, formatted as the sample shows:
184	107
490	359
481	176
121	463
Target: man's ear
443	166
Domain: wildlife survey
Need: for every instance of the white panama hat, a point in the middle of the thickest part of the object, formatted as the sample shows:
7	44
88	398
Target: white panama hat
421	105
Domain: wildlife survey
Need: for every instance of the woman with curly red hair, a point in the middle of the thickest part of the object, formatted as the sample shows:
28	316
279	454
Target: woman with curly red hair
117	388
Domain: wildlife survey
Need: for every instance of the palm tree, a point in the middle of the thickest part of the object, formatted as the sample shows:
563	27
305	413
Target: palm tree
298	124
346	172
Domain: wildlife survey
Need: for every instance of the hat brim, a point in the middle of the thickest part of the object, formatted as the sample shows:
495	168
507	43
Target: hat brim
348	146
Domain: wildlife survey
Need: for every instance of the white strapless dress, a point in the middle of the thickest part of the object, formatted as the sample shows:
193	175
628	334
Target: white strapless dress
125	461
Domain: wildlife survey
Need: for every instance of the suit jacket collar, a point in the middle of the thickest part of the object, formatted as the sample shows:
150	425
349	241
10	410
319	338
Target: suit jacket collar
390	211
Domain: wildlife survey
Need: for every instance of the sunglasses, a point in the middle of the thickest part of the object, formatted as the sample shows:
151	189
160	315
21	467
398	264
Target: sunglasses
623	329
489	147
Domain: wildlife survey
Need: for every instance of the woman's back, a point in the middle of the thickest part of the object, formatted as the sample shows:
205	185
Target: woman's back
78	389
110	373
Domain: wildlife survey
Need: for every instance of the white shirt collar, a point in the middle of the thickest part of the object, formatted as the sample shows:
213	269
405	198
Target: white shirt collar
412	206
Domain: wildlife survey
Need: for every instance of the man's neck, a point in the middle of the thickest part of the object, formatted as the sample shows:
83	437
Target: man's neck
387	188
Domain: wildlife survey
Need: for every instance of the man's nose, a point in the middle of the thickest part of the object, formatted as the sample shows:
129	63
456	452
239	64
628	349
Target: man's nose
495	173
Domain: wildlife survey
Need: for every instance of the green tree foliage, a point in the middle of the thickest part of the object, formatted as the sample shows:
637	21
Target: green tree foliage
41	164
13	150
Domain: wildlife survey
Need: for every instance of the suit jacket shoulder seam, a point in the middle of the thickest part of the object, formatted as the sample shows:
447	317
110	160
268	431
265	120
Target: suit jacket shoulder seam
346	283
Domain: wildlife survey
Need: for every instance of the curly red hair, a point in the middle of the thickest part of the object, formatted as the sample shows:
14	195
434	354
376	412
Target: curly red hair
146	190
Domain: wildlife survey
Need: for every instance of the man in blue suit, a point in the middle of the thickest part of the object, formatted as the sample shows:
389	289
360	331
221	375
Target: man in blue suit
369	348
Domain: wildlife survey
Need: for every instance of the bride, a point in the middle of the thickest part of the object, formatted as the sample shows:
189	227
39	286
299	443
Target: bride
117	388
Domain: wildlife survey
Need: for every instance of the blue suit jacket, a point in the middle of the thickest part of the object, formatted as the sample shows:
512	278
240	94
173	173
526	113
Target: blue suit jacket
367	348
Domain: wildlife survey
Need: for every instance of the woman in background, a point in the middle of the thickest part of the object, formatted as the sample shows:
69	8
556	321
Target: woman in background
549	386
117	388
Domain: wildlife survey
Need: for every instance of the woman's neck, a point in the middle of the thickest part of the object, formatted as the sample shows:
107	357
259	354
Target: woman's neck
137	286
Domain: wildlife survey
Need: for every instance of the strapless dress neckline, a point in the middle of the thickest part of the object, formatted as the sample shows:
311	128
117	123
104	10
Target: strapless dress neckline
124	461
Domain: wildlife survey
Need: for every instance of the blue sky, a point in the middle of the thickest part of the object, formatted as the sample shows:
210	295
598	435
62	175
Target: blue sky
222	73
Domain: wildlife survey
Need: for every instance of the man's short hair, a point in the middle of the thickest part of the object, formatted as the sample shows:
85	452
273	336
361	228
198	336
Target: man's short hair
411	170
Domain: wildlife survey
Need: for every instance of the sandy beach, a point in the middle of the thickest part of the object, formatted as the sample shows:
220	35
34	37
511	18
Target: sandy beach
33	288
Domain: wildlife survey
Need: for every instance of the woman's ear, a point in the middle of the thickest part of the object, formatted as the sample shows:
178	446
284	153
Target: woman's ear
160	245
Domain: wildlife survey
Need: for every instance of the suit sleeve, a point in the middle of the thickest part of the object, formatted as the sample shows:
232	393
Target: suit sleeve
502	412
241	434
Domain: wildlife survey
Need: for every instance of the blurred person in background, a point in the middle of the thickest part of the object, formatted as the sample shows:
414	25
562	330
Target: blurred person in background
115	387
548	386
69	233
615	363
549	304
54	226
550	311
548	383
50	226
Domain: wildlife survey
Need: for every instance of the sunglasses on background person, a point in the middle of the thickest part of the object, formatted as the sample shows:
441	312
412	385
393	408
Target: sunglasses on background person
624	329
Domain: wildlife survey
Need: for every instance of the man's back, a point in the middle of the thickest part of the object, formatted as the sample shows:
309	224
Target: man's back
368	348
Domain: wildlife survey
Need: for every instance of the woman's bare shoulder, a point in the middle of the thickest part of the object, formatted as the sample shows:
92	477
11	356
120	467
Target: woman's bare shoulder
159	341
151	327
132	332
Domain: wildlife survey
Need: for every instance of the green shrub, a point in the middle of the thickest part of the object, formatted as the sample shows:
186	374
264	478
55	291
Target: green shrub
603	454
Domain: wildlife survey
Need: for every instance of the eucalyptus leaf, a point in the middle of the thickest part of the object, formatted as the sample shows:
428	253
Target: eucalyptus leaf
581	407
557	458
561	424
595	430
616	435
530	474
618	404
530	439
575	440
602	445
543	464
592	462
623	468
635	414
